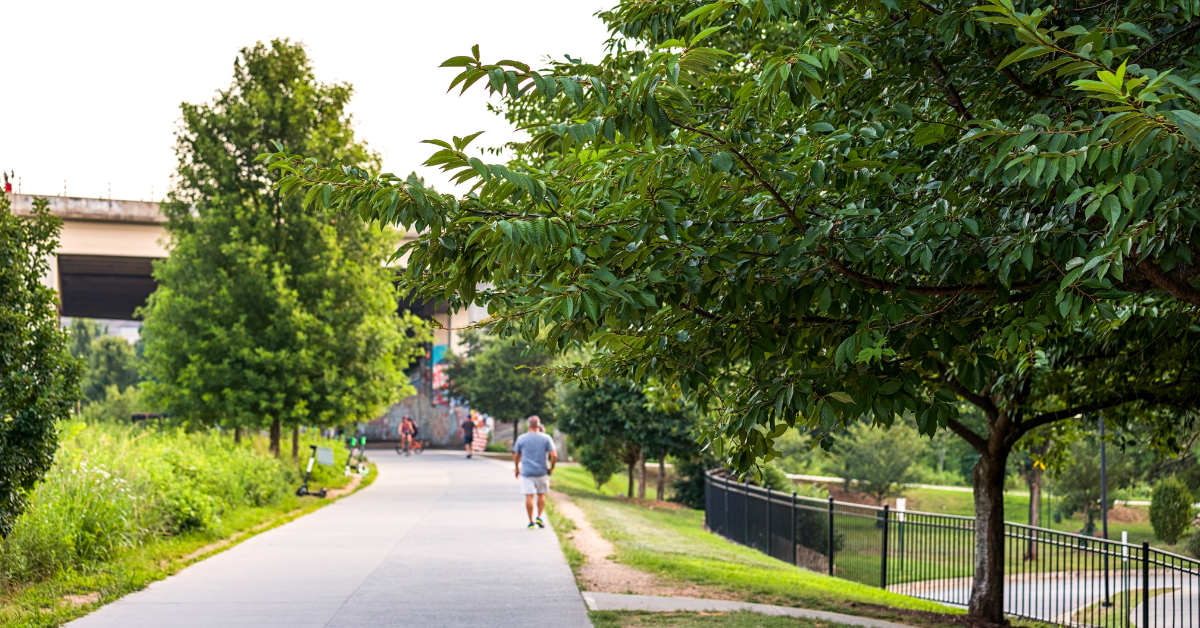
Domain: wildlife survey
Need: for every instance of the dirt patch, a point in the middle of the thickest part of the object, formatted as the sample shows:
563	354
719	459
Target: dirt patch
334	493
602	574
81	600
1125	514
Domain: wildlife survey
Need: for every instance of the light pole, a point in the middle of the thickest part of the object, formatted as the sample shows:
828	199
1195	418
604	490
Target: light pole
1104	508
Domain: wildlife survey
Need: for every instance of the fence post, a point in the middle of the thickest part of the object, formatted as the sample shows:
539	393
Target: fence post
883	563
745	513
829	548
725	519
768	521
795	553
1146	583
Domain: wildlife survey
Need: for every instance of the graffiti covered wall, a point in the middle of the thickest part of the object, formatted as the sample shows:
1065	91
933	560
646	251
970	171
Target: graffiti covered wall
436	424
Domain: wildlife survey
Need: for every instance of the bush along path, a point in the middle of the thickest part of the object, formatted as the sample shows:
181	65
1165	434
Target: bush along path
622	546
126	506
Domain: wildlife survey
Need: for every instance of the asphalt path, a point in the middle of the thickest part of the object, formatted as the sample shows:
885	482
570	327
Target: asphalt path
436	541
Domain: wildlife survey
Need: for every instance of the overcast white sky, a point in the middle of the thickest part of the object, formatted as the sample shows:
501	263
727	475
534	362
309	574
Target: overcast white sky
90	91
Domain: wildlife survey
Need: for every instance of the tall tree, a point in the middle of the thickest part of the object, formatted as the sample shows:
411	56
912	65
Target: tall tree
498	377
813	213
39	379
267	314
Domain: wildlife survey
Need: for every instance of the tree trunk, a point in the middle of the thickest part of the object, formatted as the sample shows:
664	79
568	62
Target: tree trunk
237	435
642	475
987	589
1034	480
295	442
632	464
275	436
662	478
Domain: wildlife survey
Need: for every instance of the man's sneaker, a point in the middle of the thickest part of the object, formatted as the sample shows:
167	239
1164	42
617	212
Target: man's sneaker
530	526
539	522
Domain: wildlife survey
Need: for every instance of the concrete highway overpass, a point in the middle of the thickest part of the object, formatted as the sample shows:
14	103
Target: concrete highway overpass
102	266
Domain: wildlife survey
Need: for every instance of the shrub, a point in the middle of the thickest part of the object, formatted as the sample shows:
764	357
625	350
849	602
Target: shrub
1192	548
688	486
114	486
79	514
1170	509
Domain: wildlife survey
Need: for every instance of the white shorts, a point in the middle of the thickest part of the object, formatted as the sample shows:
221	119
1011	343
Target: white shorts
536	484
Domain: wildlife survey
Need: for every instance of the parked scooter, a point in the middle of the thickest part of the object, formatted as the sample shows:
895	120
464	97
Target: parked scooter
303	490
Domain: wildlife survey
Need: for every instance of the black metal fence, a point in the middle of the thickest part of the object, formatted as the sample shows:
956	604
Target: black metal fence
1050	576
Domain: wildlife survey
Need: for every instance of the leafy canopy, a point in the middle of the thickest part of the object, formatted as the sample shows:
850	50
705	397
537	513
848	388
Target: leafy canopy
39	380
497	377
808	213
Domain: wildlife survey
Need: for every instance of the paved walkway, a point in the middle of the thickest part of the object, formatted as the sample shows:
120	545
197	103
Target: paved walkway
437	540
624	602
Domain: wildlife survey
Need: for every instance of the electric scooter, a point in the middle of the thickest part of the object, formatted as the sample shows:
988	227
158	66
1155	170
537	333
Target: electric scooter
303	490
363	468
353	450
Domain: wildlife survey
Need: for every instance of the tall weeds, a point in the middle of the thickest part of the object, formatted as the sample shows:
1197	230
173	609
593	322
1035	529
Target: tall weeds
114	487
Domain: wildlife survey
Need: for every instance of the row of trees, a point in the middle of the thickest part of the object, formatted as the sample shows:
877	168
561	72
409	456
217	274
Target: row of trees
268	314
811	213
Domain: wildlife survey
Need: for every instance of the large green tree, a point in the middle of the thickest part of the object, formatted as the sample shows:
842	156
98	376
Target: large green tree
39	379
502	377
808	213
267	314
614	422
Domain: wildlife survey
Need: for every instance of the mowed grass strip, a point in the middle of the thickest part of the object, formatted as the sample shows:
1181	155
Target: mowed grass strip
672	543
624	619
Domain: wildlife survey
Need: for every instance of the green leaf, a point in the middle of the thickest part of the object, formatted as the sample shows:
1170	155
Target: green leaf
722	161
1189	123
817	173
841	396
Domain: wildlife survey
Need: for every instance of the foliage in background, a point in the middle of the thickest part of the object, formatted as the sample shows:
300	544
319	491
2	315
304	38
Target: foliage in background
882	460
613	423
498	377
1076	484
687	487
1170	509
117	487
109	361
269	313
39	380
818	212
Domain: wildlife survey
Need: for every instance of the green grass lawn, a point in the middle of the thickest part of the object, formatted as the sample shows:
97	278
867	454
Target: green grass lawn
1016	509
42	604
673	544
622	619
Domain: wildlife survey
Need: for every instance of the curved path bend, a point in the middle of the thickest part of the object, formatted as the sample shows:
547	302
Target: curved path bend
436	541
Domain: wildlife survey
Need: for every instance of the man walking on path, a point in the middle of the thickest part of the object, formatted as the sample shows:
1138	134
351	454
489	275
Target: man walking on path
530	454
468	430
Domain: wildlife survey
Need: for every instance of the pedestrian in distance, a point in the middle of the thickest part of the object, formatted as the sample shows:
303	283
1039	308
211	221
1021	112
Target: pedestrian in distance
535	457
468	435
408	429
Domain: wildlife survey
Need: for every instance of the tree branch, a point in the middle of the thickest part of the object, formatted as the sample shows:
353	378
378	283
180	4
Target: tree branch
967	434
980	401
888	286
1016	80
1181	290
1027	425
1193	25
952	95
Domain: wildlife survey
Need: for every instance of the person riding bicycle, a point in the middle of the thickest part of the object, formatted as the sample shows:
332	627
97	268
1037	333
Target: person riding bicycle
408	432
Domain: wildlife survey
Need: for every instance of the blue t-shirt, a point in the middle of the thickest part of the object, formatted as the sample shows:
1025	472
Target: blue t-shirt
535	448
